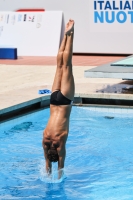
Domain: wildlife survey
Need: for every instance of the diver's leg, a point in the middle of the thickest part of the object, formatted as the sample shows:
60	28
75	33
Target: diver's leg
67	81
58	74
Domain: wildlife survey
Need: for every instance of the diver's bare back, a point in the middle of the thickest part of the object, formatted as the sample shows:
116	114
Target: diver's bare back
58	124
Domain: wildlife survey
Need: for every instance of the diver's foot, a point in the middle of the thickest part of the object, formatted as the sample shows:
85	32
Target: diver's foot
69	27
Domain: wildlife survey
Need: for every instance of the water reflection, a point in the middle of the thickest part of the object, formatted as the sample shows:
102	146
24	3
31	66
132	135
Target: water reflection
55	191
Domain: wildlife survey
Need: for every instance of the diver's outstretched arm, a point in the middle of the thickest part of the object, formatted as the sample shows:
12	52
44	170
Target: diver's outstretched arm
61	161
48	163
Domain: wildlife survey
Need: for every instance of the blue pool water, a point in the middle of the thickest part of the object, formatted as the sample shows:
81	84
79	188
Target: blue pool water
99	161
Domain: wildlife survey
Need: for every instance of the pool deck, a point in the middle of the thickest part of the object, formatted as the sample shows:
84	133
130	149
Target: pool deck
19	85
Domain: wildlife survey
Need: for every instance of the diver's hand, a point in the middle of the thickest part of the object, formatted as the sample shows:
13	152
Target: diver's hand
60	173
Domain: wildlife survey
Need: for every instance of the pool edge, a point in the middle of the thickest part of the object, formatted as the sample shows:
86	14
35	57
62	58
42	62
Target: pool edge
80	99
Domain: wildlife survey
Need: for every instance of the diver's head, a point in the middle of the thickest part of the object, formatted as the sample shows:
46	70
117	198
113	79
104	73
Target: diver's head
53	154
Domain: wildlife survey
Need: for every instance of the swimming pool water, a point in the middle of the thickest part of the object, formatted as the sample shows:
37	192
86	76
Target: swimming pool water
99	161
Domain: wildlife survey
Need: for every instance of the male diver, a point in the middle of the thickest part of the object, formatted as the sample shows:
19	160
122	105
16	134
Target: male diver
56	132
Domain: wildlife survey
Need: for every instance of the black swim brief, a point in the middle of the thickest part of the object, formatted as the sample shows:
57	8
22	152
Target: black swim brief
57	98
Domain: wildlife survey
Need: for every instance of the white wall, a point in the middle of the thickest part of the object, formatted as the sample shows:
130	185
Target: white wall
89	36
